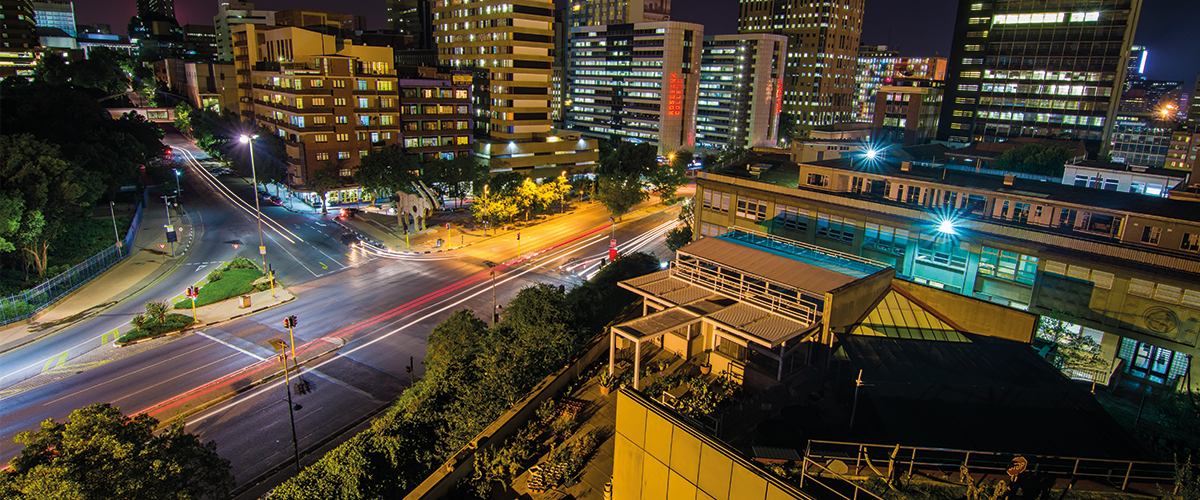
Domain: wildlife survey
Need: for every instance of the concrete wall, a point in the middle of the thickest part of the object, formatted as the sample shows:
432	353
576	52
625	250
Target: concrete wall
658	456
973	315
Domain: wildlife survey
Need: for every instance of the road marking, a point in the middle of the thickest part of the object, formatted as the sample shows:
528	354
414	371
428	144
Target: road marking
115	334
130	374
81	366
323	266
231	346
55	362
201	266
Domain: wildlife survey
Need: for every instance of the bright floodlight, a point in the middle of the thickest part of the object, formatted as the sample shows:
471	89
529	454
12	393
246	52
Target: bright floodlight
871	154
946	227
247	138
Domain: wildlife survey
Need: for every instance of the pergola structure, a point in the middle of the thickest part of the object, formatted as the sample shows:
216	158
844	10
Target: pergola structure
748	290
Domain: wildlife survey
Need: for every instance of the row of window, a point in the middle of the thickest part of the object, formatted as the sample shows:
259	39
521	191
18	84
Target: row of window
427	142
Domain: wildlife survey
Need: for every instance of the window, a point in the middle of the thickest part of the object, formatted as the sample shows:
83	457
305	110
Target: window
363	102
339	84
1150	234
339	119
385	102
707	229
885	239
345	172
339	101
1008	265
429	142
363	154
1191	242
461	94
977	34
972	60
818	180
463	125
383	85
412	142
835	227
322	156
1021	212
364	120
1056	267
751	208
387	119
914	195
977	20
968	88
964	113
1168	293
318	101
318	120
941	251
463	140
427	93
1141	288
342	155
362	85
716	201
979	6
343	137
971	74
316	83
792	218
464	110
320	138
1103	280
974	48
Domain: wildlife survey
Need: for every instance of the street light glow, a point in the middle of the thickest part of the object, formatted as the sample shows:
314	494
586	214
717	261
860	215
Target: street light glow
244	139
946	226
872	154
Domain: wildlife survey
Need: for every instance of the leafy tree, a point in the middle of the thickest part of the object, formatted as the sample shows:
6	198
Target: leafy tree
1034	158
100	453
454	178
679	237
787	125
52	191
389	170
452	348
505	182
622	177
668	177
11	212
322	180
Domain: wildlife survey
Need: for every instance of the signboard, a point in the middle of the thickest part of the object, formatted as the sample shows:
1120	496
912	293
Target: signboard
461	78
675	95
171	237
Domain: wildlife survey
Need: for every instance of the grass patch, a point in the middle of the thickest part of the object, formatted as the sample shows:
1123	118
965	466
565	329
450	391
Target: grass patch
171	323
233	282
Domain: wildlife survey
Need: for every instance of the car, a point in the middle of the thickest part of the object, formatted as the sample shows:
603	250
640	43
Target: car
349	238
349	213
275	200
317	204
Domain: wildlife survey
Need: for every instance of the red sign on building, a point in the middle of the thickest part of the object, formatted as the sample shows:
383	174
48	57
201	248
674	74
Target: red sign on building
675	95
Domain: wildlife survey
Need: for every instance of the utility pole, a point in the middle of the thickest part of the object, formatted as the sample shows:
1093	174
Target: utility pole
170	229
113	213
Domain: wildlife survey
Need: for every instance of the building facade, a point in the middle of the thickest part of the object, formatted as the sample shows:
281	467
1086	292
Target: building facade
1141	139
822	53
436	118
741	91
635	81
301	18
508	43
602	12
907	114
411	18
199	42
878	67
1122	267
1052	70
161	7
234	14
56	14
19	45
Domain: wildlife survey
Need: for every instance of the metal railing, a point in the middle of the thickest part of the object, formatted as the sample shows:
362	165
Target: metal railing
838	489
1116	473
24	305
769	294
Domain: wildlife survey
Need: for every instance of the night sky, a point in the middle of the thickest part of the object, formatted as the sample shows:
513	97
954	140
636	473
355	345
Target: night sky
914	27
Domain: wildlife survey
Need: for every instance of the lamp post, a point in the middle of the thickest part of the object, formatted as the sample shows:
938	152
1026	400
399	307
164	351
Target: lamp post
167	210
262	247
176	181
113	213
281	347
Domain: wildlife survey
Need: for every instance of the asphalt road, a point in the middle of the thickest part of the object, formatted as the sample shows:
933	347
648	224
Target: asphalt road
382	308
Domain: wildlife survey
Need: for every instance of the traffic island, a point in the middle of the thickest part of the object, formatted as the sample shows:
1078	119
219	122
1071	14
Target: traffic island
228	386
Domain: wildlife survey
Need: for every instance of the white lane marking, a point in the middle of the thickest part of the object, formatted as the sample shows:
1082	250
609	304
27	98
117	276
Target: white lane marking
231	346
130	374
181	375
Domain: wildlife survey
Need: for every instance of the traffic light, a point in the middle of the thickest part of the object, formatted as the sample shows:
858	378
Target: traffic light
193	292
289	322
518	236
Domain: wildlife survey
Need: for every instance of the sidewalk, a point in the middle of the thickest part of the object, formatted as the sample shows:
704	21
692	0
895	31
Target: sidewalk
146	264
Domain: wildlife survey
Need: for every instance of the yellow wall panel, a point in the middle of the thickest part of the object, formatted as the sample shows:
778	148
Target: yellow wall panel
714	473
627	469
631	421
685	455
680	489
654	479
658	436
746	484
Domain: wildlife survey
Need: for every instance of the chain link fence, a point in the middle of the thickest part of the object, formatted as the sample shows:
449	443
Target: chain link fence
28	303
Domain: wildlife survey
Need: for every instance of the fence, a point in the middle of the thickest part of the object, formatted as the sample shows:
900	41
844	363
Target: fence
28	303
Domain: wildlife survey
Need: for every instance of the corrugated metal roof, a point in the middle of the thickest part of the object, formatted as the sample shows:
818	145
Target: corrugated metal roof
659	322
772	266
768	329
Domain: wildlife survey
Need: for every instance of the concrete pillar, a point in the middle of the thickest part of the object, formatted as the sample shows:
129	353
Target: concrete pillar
637	366
782	347
612	351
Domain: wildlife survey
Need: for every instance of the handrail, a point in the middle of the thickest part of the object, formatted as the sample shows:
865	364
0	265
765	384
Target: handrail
804	474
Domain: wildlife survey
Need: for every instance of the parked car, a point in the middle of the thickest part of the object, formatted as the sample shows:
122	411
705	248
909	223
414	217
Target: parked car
317	204
275	200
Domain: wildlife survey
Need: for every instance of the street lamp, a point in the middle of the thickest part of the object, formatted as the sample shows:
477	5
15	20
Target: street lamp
262	247
176	180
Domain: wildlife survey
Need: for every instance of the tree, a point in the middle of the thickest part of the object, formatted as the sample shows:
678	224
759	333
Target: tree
11	212
453	346
621	176
52	192
787	125
100	453
322	180
1034	158
388	170
668	177
679	237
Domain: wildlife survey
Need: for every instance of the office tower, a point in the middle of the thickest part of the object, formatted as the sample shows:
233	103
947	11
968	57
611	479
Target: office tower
906	111
20	42
878	66
558	79
164	8
1055	70
635	81
1135	69
199	42
741	91
1193	106
230	14
823	38
413	18
601	12
56	14
508	43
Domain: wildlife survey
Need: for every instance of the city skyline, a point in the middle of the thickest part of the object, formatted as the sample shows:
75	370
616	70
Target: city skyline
883	24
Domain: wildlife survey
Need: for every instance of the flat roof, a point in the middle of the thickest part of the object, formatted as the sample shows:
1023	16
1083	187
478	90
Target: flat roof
787	174
788	270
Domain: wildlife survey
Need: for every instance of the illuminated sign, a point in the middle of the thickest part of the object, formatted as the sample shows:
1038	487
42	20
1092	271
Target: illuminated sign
778	96
461	78
675	95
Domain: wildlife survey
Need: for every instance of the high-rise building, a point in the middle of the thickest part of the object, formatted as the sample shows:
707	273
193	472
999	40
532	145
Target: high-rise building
301	18
509	42
1135	69
56	14
648	95
412	18
602	12
19	44
906	111
823	39
1193	106
230	14
1053	69
199	42
164	8
741	91
1141	138
878	67
157	36
1153	96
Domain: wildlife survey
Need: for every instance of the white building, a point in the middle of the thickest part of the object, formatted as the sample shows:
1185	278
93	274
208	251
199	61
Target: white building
1124	178
637	81
233	14
741	90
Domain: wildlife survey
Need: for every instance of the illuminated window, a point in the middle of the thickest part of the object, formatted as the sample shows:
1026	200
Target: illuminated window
971	74
322	156
974	48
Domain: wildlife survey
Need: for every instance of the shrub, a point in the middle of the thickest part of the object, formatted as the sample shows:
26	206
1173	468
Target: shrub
241	263
156	311
216	275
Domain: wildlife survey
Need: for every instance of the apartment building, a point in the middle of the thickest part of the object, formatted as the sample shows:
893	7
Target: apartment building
230	14
741	91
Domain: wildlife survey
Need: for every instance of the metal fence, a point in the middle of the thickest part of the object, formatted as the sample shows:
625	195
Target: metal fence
28	303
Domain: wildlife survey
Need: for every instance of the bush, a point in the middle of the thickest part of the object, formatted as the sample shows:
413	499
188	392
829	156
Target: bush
240	263
170	323
234	282
216	275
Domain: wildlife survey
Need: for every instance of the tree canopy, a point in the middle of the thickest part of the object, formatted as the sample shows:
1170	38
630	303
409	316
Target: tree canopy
1034	158
100	453
668	177
622	176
